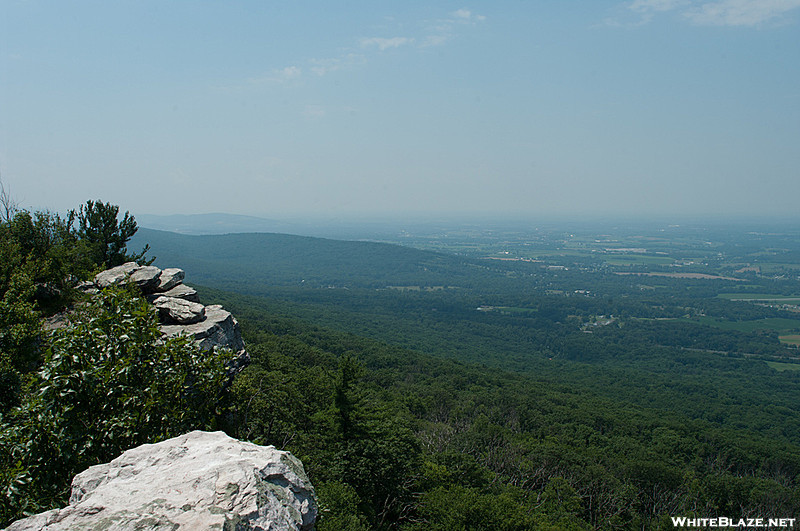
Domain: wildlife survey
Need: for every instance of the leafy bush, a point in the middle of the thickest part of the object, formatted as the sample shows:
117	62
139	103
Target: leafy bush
107	383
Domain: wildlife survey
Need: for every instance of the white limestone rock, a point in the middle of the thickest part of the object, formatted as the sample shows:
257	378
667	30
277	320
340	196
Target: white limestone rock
86	286
115	275
170	277
218	329
196	481
181	291
179	310
147	278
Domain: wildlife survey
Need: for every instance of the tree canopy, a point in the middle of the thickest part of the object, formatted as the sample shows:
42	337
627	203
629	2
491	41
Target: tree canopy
104	234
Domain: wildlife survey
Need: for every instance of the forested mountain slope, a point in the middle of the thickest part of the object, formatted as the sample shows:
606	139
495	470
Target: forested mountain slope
624	400
268	259
397	439
429	391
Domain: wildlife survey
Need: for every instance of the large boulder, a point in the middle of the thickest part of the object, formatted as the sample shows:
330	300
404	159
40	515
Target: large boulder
179	311
218	329
196	481
115	275
170	277
147	278
181	291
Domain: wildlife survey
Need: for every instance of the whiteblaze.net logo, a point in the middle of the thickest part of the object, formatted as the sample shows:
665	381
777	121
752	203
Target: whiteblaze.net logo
734	523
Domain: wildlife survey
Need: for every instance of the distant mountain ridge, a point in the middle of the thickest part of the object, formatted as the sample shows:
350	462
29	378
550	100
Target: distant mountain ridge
250	260
325	227
213	223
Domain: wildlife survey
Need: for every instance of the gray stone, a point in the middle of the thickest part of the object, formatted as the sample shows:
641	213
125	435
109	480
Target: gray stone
170	278
181	291
115	275
147	278
180	311
199	480
54	322
218	329
86	286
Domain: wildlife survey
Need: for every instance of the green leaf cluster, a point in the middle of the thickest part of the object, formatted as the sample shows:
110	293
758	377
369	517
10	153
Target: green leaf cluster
107	383
42	255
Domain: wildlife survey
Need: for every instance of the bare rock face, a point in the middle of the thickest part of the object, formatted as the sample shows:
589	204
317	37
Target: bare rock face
169	278
218	327
196	481
146	277
181	291
180	311
115	275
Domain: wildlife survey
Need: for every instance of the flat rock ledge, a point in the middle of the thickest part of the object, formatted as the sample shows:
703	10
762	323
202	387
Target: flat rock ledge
179	308
196	481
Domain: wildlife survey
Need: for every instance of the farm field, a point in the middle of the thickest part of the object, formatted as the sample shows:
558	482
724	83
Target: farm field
771	323
778	366
766	297
791	339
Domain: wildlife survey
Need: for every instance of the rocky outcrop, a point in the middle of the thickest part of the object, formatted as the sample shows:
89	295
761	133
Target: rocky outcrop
181	311
218	327
196	481
111	277
181	291
179	308
169	278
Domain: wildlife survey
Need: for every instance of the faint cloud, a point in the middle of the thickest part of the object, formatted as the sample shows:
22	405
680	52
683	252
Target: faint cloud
384	44
277	76
467	15
712	13
280	75
645	10
649	6
314	111
429	33
441	31
321	67
434	40
289	73
740	12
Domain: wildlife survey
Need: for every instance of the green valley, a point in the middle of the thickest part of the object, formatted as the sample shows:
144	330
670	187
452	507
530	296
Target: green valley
462	380
466	345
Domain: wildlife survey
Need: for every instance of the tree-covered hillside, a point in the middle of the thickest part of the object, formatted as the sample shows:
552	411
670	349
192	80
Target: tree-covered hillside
602	369
422	390
263	259
395	438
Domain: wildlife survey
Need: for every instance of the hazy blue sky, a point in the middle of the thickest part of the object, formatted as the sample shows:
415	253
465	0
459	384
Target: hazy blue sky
529	107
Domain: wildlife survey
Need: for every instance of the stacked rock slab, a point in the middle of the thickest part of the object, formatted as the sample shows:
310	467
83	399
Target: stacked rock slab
199	480
179	308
